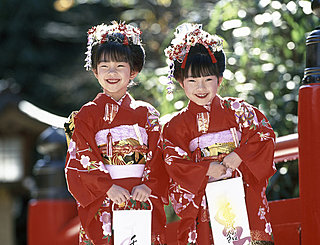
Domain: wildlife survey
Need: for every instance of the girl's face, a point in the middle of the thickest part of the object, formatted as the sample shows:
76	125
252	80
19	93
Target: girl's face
201	90
114	77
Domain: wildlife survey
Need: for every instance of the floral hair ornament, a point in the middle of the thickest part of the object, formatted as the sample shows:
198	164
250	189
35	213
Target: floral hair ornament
186	36
109	33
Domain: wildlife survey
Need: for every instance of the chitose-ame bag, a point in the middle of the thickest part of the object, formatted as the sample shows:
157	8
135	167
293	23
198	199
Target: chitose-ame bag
228	212
132	226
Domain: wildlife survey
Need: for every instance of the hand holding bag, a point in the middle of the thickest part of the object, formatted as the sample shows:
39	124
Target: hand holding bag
227	208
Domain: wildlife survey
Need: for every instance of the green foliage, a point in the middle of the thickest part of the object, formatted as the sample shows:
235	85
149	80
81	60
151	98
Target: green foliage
264	44
43	49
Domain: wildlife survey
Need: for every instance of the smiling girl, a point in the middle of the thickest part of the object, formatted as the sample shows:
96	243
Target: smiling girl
112	154
199	141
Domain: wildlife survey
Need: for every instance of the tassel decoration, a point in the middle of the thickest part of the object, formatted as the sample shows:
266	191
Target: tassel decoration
109	145
197	154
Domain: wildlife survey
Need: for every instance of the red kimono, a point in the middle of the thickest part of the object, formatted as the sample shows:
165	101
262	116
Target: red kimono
114	143
197	136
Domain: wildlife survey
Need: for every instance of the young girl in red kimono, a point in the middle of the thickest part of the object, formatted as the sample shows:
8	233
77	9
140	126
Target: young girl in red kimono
199	141
112	155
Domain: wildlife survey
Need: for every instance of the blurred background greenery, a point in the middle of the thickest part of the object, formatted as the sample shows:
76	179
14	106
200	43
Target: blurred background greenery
42	49
42	45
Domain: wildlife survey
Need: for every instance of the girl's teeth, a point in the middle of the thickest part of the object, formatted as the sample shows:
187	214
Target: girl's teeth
112	80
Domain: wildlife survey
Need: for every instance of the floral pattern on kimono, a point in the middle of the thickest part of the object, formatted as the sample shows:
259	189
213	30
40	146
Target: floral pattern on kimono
207	128
131	124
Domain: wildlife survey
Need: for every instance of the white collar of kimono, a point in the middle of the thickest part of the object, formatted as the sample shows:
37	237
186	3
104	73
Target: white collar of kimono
207	107
119	102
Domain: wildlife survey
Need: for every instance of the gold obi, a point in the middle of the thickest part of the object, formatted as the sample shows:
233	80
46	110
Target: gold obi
125	152
217	151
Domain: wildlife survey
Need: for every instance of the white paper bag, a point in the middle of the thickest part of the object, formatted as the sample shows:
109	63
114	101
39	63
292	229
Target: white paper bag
228	212
132	226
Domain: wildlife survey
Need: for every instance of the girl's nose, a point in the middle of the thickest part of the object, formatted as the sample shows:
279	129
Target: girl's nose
201	85
112	69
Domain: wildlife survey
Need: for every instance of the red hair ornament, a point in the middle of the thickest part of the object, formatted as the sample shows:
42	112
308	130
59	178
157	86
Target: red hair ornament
186	36
99	34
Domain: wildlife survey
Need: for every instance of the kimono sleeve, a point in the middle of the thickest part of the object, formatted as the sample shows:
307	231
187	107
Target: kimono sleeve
87	178
257	140
155	175
189	175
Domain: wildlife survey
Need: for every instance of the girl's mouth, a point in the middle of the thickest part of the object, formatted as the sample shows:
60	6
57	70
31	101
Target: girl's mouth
112	81
201	96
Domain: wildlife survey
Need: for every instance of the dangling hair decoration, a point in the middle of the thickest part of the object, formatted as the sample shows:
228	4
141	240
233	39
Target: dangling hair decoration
183	65
211	55
186	36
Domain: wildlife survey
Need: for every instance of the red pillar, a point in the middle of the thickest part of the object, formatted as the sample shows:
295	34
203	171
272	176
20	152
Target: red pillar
309	162
52	213
309	138
48	222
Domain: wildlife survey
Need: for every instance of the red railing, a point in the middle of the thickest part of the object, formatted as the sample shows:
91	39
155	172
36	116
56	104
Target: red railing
285	215
286	148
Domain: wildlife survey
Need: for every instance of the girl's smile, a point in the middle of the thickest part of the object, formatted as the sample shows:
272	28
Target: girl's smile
201	95
201	90
113	80
114	77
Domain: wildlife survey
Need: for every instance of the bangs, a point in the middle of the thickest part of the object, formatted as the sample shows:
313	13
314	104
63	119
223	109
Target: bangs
200	66
113	52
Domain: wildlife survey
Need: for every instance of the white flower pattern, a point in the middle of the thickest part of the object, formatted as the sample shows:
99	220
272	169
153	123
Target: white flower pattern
105	218
72	149
180	151
264	136
192	236
268	228
85	161
263	211
168	159
102	167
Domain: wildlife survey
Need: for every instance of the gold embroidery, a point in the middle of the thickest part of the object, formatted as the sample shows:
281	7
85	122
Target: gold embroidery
69	126
218	149
260	237
261	243
125	152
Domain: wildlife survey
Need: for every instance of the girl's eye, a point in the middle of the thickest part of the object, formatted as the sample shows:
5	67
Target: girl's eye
209	79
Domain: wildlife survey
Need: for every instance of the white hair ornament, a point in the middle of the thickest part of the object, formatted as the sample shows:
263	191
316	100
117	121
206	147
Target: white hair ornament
108	33
186	36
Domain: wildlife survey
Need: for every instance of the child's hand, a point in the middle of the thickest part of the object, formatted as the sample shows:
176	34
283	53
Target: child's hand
141	193
117	194
232	161
216	170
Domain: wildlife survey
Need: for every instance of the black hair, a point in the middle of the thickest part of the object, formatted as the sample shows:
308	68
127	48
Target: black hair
200	64
115	50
